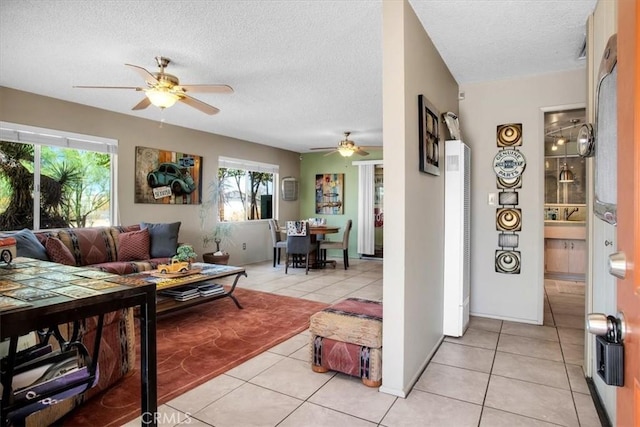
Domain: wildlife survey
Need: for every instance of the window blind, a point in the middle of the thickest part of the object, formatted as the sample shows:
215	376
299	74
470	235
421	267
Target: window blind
14	132
229	163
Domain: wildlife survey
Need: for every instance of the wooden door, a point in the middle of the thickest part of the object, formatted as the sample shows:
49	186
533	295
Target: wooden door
628	398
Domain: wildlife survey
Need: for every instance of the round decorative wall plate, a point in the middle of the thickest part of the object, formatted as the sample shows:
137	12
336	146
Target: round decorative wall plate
509	135
586	141
508	262
509	164
508	219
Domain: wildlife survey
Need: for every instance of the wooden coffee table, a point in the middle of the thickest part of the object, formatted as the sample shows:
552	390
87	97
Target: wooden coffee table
203	273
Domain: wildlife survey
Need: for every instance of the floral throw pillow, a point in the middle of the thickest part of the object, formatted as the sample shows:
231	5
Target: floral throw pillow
58	252
134	245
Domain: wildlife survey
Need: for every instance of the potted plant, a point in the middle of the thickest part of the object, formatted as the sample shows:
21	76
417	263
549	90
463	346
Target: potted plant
185	253
221	234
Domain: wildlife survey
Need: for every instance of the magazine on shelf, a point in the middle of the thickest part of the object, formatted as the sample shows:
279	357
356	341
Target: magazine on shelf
181	291
207	289
187	298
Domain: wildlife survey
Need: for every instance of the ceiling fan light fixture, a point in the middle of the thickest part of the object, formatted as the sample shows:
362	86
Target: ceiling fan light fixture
161	97
345	151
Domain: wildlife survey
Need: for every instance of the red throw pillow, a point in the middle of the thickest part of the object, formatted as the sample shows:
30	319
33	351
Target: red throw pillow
58	252
134	246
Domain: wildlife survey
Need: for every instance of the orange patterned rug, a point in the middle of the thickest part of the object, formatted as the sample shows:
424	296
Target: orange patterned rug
198	344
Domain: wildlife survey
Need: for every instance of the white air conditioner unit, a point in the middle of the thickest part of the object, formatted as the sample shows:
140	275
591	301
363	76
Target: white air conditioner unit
457	231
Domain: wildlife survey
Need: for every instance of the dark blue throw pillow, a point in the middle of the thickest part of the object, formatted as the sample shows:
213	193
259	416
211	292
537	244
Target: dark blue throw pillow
164	238
27	244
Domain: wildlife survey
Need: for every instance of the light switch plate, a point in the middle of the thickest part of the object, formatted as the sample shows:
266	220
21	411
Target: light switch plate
492	199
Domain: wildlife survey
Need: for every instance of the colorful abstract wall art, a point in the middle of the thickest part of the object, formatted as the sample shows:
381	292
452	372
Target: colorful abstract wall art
330	193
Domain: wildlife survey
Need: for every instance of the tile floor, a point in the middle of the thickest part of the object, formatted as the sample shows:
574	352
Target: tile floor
498	374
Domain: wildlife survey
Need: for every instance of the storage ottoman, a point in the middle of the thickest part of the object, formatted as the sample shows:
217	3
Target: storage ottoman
347	337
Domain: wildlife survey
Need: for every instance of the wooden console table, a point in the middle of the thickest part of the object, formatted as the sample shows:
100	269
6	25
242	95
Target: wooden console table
73	293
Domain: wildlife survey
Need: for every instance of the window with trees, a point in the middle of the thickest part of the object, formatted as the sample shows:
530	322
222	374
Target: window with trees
245	190
52	179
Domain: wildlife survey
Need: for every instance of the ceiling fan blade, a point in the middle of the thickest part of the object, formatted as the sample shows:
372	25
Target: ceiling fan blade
206	88
142	104
361	152
108	87
330	153
199	105
147	76
323	148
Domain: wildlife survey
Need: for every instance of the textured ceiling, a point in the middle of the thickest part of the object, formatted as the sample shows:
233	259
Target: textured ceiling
303	71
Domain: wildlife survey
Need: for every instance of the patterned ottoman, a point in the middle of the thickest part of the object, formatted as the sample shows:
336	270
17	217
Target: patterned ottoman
347	337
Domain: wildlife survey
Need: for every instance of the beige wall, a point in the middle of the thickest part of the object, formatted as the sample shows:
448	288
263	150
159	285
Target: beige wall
486	105
34	110
414	201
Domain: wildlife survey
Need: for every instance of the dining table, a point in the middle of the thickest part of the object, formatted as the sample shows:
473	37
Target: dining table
317	236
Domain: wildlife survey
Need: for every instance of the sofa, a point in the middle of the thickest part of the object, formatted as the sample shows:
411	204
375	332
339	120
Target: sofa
116	249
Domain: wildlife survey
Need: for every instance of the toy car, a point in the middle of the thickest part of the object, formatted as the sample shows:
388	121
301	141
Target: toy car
172	175
7	249
175	267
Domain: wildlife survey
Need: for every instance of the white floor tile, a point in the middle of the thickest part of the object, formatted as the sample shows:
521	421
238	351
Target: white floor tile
347	394
464	356
249	406
532	400
495	418
310	415
426	409
532	369
476	338
449	381
293	378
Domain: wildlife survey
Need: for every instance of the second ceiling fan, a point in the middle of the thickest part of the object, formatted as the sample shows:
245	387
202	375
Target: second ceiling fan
346	148
164	89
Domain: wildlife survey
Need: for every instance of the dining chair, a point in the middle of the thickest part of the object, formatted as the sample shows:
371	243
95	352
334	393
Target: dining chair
298	243
278	244
344	244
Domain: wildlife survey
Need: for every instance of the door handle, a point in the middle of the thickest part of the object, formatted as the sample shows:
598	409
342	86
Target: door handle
611	327
565	245
571	245
618	265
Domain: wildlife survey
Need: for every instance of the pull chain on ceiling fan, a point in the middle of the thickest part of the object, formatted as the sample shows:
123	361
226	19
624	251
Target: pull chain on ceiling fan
164	90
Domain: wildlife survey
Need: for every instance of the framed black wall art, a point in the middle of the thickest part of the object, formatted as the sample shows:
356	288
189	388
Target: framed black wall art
429	137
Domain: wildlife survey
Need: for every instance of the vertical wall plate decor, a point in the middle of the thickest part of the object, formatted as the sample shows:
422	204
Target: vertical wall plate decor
508	165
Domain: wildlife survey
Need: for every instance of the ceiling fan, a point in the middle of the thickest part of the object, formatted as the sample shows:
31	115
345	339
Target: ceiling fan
163	89
346	148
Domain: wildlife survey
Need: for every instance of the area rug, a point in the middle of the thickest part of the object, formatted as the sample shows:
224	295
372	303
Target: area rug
198	344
